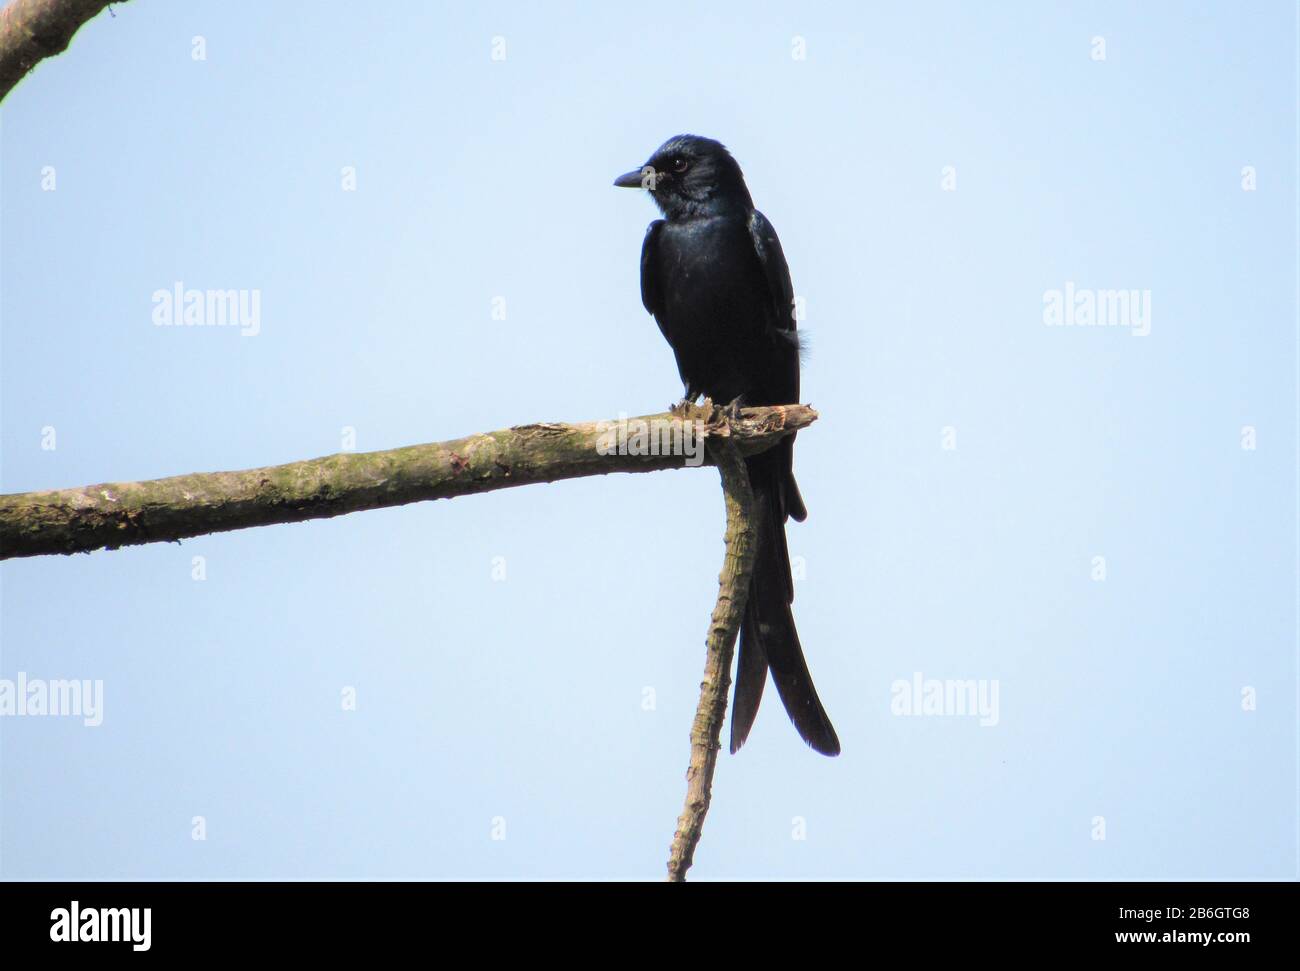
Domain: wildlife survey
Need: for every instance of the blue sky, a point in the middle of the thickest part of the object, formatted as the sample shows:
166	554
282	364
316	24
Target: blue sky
934	170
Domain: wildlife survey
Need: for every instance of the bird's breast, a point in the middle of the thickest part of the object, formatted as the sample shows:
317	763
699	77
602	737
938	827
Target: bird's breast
707	260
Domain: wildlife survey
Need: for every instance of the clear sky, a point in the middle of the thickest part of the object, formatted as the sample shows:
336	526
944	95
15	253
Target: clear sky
526	664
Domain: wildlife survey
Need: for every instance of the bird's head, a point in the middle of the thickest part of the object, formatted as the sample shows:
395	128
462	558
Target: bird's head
690	175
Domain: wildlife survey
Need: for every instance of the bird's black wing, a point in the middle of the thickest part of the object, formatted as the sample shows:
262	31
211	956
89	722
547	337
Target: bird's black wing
767	246
649	283
777	273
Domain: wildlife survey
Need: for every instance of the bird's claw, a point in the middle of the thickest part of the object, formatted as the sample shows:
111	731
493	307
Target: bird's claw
683	407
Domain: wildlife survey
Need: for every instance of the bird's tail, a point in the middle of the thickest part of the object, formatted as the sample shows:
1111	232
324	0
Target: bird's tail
768	639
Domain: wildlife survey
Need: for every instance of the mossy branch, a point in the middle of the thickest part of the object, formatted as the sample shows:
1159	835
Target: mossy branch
112	515
129	513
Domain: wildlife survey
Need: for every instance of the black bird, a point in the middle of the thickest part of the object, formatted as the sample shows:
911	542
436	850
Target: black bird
715	279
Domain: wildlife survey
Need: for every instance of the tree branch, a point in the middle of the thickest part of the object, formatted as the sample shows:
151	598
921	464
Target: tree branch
113	515
32	30
733	591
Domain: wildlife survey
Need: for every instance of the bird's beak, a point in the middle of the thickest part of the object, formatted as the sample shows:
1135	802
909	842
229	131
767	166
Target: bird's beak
642	178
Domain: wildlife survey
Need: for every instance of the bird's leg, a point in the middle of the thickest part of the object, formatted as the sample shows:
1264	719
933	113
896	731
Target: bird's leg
733	408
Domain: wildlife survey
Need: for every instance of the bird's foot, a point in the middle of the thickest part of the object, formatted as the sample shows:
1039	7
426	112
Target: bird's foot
732	410
683	407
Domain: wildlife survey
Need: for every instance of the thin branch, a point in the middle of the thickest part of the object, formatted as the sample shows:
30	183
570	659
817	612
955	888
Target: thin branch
32	30
113	515
733	591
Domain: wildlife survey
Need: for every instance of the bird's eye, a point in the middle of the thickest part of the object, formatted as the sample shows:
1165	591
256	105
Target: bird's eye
679	164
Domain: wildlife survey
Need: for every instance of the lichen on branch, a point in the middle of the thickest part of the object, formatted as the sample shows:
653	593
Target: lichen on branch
112	515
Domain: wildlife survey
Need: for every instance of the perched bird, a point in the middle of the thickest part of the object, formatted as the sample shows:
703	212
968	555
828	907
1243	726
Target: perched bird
715	279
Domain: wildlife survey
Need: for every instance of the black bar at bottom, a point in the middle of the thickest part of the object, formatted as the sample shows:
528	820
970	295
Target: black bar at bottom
333	919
